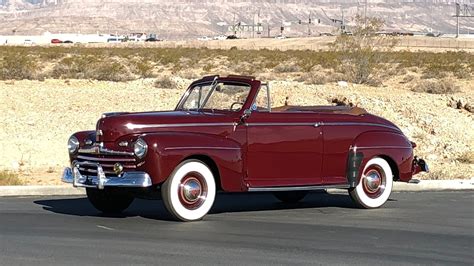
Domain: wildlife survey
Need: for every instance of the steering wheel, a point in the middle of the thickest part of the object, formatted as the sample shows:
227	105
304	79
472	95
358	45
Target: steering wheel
232	106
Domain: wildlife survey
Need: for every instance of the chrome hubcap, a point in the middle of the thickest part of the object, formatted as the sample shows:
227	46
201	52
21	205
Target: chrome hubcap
192	190
373	180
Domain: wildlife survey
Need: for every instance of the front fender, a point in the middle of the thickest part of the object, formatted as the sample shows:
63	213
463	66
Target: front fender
166	150
393	147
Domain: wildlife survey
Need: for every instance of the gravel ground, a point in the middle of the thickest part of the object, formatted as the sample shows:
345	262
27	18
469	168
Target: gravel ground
36	118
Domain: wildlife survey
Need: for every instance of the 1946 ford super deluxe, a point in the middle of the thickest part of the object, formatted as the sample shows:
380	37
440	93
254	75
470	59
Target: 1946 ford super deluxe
224	135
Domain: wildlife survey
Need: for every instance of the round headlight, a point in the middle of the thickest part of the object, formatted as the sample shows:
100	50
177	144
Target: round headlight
72	144
140	148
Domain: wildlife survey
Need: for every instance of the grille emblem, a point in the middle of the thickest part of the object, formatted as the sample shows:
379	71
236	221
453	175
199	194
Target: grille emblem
118	168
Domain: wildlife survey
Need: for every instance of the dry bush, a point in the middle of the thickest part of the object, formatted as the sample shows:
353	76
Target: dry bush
443	86
286	68
188	74
358	56
320	77
18	67
407	79
144	69
364	53
165	82
467	157
8	178
91	67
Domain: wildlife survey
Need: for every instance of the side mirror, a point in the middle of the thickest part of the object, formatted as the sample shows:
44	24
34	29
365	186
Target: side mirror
245	115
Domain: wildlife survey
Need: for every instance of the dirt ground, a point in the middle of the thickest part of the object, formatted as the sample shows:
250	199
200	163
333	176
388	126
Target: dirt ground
37	118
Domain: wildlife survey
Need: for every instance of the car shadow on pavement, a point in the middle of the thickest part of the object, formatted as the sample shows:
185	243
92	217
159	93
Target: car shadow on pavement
224	203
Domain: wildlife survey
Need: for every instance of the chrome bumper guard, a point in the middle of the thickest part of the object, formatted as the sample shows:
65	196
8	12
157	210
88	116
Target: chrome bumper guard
128	179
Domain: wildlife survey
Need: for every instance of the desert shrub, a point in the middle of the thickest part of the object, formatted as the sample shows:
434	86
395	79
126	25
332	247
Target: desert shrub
467	157
286	68
363	53
443	86
8	178
407	79
207	67
143	68
320	77
91	67
17	66
188	74
111	71
165	82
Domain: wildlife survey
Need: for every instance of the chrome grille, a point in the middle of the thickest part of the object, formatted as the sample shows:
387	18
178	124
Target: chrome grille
89	158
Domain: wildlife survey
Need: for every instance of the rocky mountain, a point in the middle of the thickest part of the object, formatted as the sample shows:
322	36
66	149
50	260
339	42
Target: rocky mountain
191	18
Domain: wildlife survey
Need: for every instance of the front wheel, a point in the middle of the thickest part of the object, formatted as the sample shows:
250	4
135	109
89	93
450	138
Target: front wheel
375	185
108	201
190	191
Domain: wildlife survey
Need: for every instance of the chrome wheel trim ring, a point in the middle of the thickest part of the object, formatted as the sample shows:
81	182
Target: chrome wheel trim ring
192	191
374	181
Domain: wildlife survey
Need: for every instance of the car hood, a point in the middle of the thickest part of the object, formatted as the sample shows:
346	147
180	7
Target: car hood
115	125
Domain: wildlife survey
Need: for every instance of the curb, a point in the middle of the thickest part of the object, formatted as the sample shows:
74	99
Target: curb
434	185
68	190
58	190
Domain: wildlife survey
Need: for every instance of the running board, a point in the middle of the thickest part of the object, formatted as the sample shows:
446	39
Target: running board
266	189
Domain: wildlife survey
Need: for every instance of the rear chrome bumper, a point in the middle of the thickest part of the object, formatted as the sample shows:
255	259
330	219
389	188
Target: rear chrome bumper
419	165
100	181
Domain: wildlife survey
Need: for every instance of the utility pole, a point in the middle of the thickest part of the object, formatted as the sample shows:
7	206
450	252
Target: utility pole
365	14
462	11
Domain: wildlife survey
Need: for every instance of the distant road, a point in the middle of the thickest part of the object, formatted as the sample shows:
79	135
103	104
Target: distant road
413	43
243	229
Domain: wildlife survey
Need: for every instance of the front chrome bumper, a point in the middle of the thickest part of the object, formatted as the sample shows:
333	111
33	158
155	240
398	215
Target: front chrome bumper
128	179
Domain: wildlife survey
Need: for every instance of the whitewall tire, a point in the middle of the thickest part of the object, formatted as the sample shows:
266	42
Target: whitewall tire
375	185
190	191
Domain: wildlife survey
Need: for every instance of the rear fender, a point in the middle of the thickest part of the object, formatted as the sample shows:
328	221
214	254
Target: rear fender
393	147
168	149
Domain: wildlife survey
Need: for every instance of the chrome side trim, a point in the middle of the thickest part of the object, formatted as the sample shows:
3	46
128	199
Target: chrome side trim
379	147
299	188
200	148
282	124
318	124
358	124
105	159
141	126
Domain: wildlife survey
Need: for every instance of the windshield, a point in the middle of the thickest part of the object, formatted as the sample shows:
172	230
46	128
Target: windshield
217	96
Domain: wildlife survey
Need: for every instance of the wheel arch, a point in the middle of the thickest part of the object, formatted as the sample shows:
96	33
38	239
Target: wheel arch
393	166
209	162
393	147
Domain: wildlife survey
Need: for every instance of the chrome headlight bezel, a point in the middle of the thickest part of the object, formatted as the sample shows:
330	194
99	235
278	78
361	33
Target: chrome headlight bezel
140	148
73	145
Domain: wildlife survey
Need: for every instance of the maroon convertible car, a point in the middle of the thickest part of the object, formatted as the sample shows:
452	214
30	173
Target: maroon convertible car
224	135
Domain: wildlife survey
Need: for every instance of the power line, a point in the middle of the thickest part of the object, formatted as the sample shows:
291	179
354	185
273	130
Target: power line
462	11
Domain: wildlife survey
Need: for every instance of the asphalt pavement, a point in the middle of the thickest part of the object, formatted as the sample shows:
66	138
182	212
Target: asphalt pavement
242	229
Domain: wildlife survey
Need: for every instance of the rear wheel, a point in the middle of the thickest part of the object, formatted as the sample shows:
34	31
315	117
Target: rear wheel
375	185
108	201
290	196
190	191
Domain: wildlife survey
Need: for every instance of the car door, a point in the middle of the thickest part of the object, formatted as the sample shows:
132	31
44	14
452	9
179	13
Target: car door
283	149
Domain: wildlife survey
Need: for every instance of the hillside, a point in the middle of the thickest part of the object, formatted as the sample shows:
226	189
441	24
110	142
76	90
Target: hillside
192	18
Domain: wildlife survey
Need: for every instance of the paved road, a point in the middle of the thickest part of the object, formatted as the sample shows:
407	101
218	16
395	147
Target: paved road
412	228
